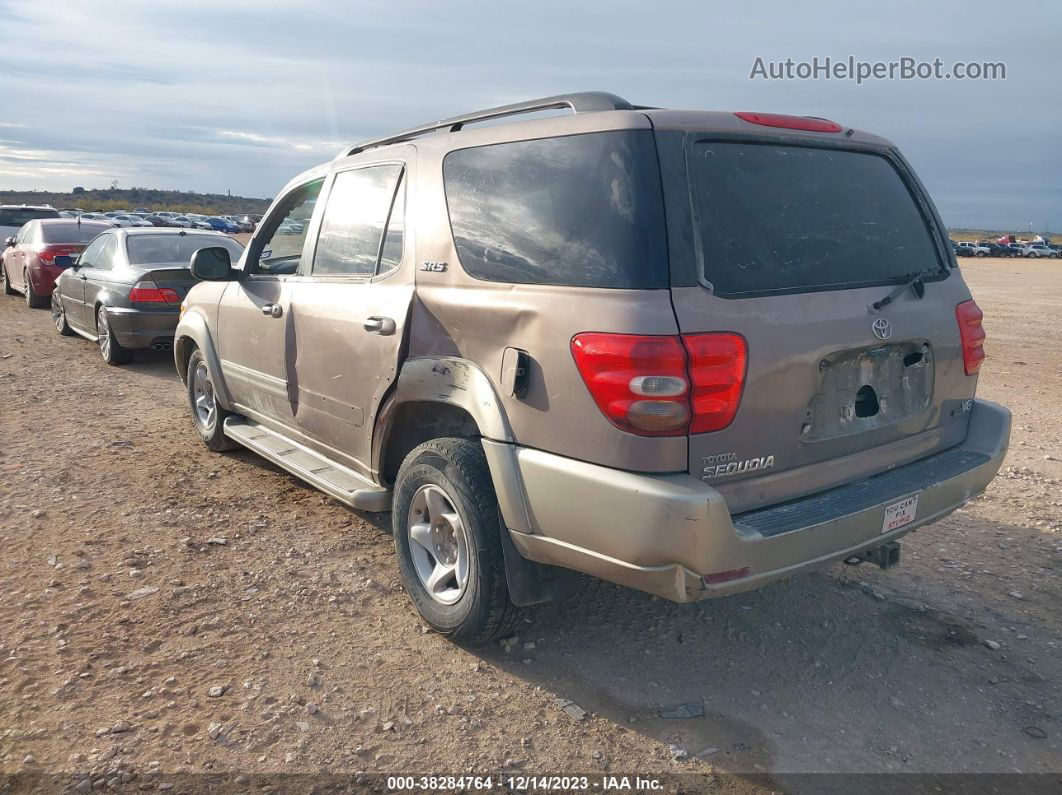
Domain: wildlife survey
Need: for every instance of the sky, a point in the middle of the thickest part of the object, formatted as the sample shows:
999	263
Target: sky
240	96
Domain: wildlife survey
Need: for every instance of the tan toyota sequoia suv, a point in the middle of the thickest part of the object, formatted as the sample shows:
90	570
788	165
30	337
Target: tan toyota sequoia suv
689	352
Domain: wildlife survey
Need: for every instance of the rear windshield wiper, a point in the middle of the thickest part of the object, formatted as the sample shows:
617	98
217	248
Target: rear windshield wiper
915	281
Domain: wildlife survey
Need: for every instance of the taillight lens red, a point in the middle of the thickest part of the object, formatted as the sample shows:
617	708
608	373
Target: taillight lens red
47	254
717	373
150	293
663	385
969	317
638	382
790	122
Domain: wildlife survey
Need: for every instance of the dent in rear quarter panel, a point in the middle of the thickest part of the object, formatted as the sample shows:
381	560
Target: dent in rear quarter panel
457	315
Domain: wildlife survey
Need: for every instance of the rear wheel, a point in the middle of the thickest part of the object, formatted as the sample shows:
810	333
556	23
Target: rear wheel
8	289
59	316
112	351
207	416
447	537
33	301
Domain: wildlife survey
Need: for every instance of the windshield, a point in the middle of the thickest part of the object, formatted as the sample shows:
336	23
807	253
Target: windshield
17	216
175	249
792	219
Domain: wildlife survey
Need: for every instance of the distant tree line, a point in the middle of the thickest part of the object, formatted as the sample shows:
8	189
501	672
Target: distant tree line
108	199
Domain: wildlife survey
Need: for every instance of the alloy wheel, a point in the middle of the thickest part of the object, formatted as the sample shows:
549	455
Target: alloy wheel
58	315
103	330
203	396
438	544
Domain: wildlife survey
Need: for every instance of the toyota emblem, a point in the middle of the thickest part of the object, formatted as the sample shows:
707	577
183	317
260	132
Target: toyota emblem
882	328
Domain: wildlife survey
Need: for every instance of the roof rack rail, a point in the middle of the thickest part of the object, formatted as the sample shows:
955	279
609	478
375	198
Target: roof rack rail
580	102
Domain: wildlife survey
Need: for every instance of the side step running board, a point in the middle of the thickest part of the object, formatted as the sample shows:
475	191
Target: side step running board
333	479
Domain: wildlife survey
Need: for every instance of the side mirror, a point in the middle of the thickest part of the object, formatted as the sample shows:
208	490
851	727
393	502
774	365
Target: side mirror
9	242
63	260
212	264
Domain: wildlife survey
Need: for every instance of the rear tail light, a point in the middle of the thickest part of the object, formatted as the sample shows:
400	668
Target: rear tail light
47	254
717	372
969	317
663	386
149	293
809	123
638	382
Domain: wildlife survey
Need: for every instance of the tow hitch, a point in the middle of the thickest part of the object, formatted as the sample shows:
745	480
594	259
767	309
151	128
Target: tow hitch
886	556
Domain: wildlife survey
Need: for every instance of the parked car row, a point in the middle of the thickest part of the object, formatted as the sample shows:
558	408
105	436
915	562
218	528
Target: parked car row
985	248
230	224
119	287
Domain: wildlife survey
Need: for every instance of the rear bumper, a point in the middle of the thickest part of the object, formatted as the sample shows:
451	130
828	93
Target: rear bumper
43	278
139	328
666	534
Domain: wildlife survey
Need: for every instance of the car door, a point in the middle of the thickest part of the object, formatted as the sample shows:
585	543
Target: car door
254	326
95	279
349	308
17	257
71	284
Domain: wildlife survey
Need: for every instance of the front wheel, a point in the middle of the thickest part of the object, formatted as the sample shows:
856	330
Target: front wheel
112	351
207	416
447	537
59	316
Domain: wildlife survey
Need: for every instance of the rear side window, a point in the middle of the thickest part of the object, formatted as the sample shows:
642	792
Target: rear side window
17	216
353	225
579	210
774	219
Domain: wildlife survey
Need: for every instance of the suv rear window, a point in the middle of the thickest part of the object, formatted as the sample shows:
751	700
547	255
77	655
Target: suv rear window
773	219
578	210
17	216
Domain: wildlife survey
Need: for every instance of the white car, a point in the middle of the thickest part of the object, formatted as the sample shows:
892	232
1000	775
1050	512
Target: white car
973	250
124	221
1038	250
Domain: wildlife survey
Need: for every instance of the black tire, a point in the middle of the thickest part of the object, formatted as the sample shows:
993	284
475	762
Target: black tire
210	429
59	316
8	289
459	469
110	349
34	301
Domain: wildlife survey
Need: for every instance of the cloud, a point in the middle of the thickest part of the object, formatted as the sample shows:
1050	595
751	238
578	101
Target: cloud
243	95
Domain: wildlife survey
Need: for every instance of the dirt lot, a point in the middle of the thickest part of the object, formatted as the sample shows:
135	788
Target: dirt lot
166	611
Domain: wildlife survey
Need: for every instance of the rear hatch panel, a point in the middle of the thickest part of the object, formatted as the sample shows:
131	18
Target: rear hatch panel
800	241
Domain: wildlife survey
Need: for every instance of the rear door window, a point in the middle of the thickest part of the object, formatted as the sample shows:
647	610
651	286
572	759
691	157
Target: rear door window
777	219
578	210
352	228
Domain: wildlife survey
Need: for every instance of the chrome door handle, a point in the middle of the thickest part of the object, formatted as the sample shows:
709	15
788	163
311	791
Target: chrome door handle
384	326
273	310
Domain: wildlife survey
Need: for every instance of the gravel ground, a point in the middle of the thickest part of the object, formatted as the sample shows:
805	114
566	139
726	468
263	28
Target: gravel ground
166	611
